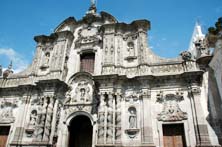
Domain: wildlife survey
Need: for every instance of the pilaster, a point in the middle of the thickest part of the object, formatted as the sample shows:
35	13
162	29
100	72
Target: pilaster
201	128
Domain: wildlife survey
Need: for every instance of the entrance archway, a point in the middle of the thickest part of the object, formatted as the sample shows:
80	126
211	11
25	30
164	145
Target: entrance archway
80	131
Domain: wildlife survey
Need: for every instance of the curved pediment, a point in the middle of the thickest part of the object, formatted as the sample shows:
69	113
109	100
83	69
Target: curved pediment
66	25
79	76
106	17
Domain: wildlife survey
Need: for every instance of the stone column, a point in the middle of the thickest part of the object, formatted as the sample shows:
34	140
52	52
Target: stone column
147	132
109	132
118	119
63	132
101	120
48	121
20	120
201	130
55	120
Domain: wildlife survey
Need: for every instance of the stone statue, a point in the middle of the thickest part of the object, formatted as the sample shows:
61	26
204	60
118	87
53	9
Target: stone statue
131	49
68	98
83	91
33	117
47	57
132	118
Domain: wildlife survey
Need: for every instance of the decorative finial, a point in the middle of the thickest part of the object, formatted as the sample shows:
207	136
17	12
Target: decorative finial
92	8
10	65
0	70
93	2
8	71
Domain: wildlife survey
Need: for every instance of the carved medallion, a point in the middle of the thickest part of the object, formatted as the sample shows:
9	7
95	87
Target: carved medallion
171	110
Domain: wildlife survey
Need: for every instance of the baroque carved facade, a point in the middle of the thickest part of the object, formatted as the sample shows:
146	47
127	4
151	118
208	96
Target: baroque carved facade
104	70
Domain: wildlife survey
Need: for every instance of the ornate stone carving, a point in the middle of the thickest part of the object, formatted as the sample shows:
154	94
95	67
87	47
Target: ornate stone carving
68	96
118	119
132	96
88	36
186	55
48	121
6	110
171	110
110	119
32	123
215	33
80	92
101	120
44	119
202	47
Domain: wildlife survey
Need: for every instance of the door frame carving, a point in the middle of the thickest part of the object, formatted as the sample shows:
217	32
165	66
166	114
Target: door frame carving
187	131
64	133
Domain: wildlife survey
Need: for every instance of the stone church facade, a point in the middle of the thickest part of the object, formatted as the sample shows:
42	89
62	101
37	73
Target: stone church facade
95	82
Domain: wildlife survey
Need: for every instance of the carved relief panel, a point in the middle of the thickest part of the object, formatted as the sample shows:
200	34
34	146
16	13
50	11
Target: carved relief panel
79	92
88	37
6	110
80	96
171	110
39	123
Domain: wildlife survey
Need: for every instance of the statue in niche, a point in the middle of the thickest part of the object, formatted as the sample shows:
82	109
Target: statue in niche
132	117
46	60
130	49
33	117
82	91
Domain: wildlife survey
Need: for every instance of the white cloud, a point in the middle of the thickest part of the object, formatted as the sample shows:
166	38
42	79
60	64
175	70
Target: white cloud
18	61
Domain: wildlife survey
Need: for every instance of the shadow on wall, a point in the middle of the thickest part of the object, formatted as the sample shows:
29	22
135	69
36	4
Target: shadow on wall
214	118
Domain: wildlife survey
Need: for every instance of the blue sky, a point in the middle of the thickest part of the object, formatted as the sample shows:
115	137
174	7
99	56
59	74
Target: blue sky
172	22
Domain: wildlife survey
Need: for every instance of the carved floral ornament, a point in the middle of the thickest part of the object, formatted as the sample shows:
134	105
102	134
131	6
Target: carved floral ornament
171	110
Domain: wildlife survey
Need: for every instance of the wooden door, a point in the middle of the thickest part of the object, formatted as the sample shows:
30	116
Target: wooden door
4	131
173	135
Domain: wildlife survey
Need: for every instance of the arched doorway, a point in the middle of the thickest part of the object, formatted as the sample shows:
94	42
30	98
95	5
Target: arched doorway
80	130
